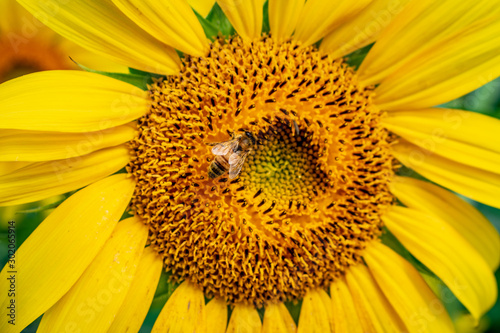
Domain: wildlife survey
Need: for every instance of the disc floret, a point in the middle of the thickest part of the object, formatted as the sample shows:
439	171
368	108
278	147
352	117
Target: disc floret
310	194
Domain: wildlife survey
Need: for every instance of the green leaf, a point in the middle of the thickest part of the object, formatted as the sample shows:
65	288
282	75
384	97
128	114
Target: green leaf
147	78
143	73
294	309
218	19
355	58
485	100
210	30
164	290
135	77
404	171
41	208
266	28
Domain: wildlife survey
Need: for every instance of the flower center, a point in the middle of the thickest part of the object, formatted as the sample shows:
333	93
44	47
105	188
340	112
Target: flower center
314	161
22	56
284	169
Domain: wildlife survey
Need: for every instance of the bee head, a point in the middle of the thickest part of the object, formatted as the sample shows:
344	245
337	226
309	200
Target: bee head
251	137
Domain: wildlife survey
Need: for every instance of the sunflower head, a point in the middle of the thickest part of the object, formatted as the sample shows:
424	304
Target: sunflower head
309	194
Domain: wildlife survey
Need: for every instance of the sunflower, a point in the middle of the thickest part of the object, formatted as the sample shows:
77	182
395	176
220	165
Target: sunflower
308	203
29	46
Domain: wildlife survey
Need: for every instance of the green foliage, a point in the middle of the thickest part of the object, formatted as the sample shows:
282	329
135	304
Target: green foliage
136	77
485	100
211	31
294	309
266	28
216	23
219	19
355	58
164	290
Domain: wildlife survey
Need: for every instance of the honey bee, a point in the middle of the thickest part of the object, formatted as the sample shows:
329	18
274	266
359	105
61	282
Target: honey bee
230	155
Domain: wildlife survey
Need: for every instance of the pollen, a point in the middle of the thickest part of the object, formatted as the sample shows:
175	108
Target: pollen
311	190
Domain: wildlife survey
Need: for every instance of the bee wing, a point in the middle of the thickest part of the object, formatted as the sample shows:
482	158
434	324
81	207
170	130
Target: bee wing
236	162
223	148
297	131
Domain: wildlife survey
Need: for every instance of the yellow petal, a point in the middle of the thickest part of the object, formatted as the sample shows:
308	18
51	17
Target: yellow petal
184	311
362	29
287	317
172	23
99	26
140	295
466	137
344	310
327	303
216	311
410	296
244	319
465	323
245	16
419	29
283	17
10	12
8	167
202	7
44	179
314	316
447	254
377	313
87	58
21	145
448	207
69	101
477	184
449	70
278	319
95	299
74	234
319	17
